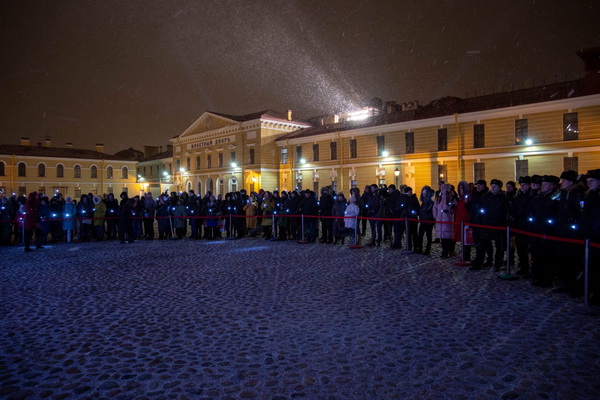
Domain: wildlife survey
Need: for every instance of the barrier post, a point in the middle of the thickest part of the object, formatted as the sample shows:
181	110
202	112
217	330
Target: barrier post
462	262
508	275
355	245
302	240
406	239
273	229
586	309
586	265
230	228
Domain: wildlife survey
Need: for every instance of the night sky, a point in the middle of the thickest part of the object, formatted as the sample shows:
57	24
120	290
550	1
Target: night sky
135	73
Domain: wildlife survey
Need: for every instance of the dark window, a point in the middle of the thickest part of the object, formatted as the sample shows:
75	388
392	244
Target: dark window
315	152
298	153
178	165
442	139
109	172
380	145
77	171
333	150
353	153
197	162
570	127
2	172
22	169
233	156
41	170
251	154
22	190
478	136
409	138
94	172
521	168
220	160
521	131
188	164
208	162
284	154
124	173
478	171
571	163
60	171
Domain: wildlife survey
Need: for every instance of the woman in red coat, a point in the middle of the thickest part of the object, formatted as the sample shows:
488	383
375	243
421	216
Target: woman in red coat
462	215
32	222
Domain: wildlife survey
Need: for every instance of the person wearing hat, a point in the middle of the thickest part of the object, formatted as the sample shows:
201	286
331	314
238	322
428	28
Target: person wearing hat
493	211
570	259
474	206
536	184
520	212
325	209
68	225
591	230
544	212
444	209
310	209
397	202
99	212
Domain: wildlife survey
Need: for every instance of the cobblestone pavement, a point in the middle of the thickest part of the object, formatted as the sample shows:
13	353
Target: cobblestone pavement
252	319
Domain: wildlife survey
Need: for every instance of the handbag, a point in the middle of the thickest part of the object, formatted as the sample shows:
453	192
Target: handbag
469	239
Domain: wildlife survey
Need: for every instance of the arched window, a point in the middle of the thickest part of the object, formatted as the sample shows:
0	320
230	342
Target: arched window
41	170
60	171
109	172
77	171
22	169
209	185
94	172
124	173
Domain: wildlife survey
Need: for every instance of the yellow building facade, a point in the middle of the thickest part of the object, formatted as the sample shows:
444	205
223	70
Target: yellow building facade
70	171
223	153
503	143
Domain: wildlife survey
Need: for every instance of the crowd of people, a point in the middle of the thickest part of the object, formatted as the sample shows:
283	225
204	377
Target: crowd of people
537	209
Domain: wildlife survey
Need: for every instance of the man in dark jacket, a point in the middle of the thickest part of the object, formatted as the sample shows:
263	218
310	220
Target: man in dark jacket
493	211
373	210
520	212
570	255
325	207
474	207
310	210
397	202
544	212
591	228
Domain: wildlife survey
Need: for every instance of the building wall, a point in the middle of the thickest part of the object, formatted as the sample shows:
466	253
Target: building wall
499	155
68	185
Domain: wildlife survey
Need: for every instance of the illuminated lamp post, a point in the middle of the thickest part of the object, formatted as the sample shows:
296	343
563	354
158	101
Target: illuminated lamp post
396	175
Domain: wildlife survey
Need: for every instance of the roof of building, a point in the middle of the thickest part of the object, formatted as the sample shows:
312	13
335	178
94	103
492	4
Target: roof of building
159	156
454	105
266	114
131	154
58	152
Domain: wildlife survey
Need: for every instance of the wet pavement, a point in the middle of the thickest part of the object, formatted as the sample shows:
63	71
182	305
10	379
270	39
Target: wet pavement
253	319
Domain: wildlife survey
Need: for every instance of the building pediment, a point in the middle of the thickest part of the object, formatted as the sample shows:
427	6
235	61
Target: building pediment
208	122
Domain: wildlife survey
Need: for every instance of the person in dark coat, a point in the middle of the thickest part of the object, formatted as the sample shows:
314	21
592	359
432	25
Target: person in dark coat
544	212
31	222
373	206
397	203
520	213
412	212
426	220
493	211
124	212
474	207
325	208
310	210
569	255
339	210
591	231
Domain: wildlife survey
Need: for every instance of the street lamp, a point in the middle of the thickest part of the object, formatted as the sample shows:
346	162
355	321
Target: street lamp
396	175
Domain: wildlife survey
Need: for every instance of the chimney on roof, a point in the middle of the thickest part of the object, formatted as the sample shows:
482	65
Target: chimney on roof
99	147
47	143
289	115
25	141
69	145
